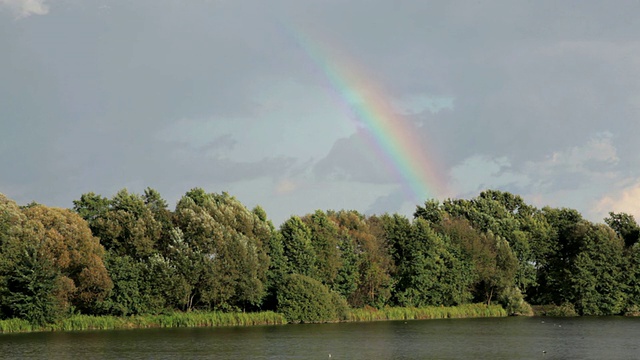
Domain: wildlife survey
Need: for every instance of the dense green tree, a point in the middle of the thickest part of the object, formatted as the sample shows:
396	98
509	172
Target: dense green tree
494	264
12	221
91	206
506	216
127	296
430	273
553	271
233	243
631	278
585	269
300	254
126	227
324	239
54	246
278	270
214	253
375	265
162	215
346	282
68	245
30	287
184	270
431	211
625	226
595	280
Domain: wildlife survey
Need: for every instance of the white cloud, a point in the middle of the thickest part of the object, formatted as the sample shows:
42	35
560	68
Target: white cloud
25	8
598	149
577	177
594	161
626	200
478	173
285	186
416	104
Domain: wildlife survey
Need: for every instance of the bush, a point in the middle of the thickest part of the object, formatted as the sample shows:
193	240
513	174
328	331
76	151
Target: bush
302	299
340	305
514	303
632	310
564	310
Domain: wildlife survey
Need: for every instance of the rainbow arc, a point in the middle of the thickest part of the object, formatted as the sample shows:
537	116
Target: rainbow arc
389	134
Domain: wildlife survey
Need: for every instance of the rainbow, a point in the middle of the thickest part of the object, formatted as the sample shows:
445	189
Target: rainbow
387	133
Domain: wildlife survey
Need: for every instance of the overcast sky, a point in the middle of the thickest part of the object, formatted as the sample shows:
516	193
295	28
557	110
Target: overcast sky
539	98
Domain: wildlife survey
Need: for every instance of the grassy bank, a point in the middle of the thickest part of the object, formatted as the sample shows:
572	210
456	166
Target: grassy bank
211	319
399	313
178	319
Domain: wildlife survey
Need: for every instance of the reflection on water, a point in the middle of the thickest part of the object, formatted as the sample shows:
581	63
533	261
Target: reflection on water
504	338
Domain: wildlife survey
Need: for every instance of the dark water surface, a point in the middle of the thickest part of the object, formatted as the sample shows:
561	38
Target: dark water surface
502	338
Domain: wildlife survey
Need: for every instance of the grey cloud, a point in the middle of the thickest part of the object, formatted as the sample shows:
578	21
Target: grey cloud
352	159
84	91
390	203
25	8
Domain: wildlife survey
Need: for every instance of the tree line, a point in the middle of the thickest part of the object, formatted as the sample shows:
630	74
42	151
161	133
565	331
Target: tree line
130	254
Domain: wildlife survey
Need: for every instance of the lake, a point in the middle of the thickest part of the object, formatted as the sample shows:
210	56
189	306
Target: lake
498	338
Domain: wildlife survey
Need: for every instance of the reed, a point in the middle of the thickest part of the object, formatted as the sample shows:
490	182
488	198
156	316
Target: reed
15	325
211	319
433	312
176	319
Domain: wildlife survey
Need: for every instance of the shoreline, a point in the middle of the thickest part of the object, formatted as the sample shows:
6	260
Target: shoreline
220	319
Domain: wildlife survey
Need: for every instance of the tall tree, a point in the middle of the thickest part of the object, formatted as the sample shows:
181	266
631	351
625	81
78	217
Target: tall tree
595	281
68	245
296	238
491	258
430	272
233	242
324	239
625	226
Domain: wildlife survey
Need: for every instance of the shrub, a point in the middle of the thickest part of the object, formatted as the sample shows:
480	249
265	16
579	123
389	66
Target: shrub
302	299
514	303
564	310
632	310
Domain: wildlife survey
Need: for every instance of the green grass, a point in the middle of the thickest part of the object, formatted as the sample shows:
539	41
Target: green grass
211	319
435	312
177	319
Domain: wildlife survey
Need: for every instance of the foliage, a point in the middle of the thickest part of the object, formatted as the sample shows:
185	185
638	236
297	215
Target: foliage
564	310
67	244
30	288
429	312
302	299
429	273
373	279
625	226
232	243
324	240
130	255
300	254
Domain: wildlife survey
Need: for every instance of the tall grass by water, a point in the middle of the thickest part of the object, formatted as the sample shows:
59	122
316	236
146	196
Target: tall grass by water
177	319
433	312
212	319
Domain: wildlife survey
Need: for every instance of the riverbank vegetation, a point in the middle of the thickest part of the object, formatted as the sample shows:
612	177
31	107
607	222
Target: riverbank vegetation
130	256
431	312
176	319
217	318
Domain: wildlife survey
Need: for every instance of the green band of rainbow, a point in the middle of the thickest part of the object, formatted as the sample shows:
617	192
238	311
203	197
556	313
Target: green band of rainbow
388	133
